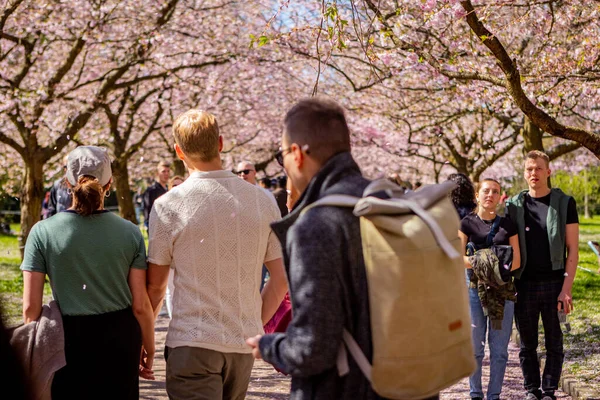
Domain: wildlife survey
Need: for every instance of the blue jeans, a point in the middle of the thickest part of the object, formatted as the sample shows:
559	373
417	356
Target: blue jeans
498	344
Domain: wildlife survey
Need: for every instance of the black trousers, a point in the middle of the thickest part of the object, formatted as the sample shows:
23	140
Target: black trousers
535	299
103	354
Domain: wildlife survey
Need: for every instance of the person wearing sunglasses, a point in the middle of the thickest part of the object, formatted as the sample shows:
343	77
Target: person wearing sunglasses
324	261
247	172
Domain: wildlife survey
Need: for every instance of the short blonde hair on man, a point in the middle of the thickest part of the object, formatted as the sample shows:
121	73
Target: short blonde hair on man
197	134
535	154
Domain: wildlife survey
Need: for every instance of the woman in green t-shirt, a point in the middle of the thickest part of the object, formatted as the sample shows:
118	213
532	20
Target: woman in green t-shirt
96	263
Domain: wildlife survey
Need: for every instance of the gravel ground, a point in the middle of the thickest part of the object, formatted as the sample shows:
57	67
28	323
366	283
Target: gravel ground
266	383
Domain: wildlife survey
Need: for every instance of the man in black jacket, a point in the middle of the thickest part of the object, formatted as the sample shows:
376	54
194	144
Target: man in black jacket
157	189
323	257
60	198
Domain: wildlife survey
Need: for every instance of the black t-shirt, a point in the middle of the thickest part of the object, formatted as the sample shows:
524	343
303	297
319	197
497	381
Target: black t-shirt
153	192
539	263
477	230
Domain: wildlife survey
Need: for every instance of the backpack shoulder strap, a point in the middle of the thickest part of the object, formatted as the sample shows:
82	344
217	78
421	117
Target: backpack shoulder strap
334	200
493	230
358	355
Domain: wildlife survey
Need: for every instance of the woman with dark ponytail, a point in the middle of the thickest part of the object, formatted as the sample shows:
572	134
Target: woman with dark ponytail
96	263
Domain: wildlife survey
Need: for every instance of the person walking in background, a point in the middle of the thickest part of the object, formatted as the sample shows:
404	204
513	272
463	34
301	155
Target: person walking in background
463	196
213	231
138	203
484	229
328	287
548	228
97	270
60	197
173	182
45	205
265	183
281	195
157	189
247	172
283	316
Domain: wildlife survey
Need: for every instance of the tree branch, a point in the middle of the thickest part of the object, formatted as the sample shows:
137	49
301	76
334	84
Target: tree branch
562	149
8	11
166	73
242	143
13	143
151	128
513	85
57	77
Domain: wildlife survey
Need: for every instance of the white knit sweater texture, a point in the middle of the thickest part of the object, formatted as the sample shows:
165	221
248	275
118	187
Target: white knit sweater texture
214	231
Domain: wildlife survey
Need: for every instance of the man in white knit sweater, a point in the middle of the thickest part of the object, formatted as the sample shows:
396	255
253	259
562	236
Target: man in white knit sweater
214	231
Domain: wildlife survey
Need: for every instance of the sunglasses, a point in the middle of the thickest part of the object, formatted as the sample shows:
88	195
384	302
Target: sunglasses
280	154
283	152
244	172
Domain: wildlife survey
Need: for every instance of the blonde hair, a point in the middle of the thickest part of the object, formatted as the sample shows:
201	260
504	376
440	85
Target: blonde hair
197	134
175	178
535	154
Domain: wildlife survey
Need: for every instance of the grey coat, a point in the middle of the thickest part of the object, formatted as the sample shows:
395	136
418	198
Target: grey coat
328	288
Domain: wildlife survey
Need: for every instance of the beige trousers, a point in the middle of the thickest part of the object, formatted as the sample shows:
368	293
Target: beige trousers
194	373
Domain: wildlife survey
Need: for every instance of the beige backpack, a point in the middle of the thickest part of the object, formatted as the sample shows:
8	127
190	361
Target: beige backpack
420	322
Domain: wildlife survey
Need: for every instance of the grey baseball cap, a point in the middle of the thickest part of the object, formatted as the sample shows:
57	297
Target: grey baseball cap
88	160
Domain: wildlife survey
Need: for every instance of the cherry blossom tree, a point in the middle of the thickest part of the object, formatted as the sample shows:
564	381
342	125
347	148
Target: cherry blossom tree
63	62
529	67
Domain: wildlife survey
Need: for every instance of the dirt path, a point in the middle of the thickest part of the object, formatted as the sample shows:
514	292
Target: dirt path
266	383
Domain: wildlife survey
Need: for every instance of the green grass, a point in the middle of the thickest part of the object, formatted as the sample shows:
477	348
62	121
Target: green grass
9	248
582	344
11	279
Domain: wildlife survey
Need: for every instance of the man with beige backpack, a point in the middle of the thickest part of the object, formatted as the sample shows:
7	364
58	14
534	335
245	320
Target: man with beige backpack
351	337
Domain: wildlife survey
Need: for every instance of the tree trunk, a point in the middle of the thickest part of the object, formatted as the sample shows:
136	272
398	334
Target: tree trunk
179	167
32	195
532	137
124	196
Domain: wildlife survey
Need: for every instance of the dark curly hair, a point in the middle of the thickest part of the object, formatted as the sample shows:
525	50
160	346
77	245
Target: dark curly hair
463	197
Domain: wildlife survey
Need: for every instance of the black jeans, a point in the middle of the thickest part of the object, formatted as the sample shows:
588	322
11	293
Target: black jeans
103	354
535	299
